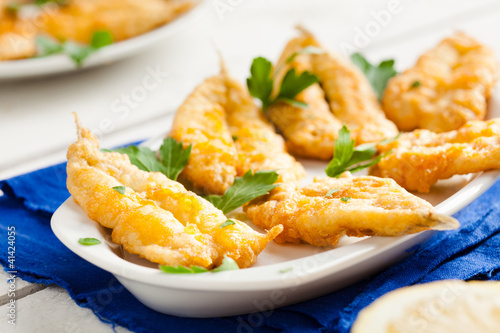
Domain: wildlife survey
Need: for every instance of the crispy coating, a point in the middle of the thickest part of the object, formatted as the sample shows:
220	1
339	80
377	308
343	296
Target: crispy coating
454	81
156	218
79	19
309	132
377	206
417	160
230	136
351	97
200	121
258	145
17	37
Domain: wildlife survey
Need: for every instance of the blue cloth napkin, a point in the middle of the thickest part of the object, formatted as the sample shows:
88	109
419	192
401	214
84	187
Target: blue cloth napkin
471	252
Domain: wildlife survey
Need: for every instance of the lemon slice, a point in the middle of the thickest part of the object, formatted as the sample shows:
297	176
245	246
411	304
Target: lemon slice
439	307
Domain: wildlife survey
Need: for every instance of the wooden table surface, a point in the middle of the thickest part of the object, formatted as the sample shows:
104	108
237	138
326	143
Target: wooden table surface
36	125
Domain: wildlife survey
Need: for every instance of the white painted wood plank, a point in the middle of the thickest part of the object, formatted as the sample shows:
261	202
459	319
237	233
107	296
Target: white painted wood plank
5	287
52	310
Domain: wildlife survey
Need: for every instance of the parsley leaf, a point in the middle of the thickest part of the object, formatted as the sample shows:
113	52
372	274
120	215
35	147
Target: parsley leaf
228	264
173	157
244	189
119	189
377	75
260	82
415	84
293	84
182	269
47	46
346	157
101	39
89	241
228	222
330	192
77	52
43	2
345	199
142	157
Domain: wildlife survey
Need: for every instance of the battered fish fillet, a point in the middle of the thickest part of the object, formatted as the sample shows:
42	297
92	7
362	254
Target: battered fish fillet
309	132
351	97
230	136
156	218
417	160
201	121
79	19
447	87
17	37
376	207
259	147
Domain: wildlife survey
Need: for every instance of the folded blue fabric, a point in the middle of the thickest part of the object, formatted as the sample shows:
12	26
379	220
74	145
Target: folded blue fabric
470	252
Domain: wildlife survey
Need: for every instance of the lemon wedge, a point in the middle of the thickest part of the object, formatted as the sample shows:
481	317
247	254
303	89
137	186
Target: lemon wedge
437	307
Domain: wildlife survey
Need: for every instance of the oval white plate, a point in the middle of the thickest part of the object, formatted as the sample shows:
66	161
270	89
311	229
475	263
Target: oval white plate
59	63
283	274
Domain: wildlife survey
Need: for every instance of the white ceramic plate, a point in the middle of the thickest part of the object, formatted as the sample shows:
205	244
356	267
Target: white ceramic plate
59	63
283	274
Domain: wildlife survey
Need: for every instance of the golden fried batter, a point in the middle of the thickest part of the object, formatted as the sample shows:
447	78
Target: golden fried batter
79	19
230	136
156	218
309	132
259	147
448	86
371	206
17	37
417	160
200	121
351	97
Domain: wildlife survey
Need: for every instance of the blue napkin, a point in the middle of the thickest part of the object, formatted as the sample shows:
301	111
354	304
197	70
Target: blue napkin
470	252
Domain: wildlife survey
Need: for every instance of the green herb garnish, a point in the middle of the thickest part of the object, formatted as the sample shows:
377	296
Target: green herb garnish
330	192
182	269
119	189
261	81
415	84
47	46
377	75
142	157
228	222
346	157
345	199
244	189
75	51
89	241
228	264
234	137
173	157
43	2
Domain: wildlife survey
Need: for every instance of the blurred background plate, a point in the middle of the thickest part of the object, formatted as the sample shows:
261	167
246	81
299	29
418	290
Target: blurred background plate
60	63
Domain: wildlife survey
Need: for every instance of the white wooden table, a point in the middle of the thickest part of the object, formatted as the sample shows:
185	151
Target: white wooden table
36	125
